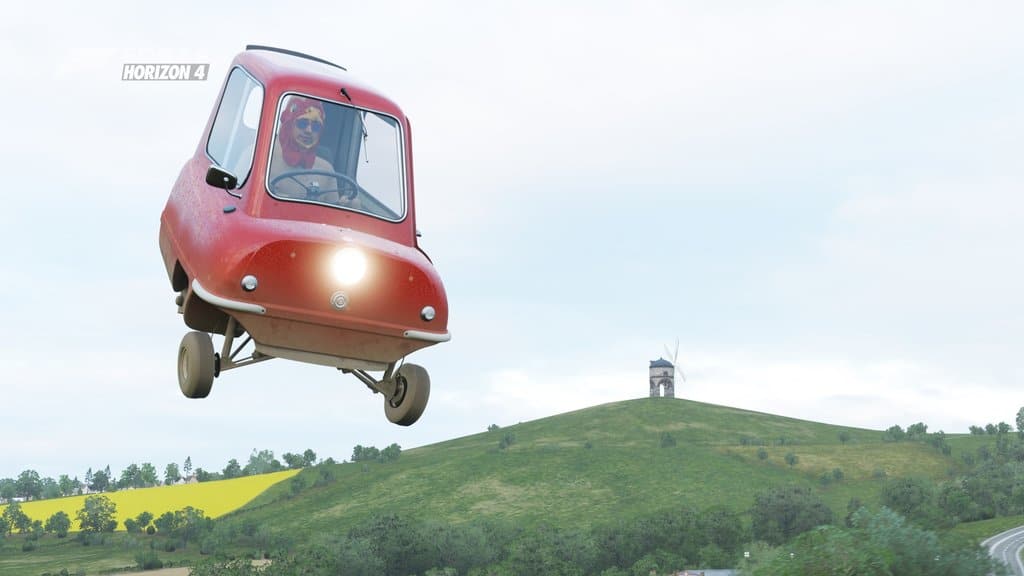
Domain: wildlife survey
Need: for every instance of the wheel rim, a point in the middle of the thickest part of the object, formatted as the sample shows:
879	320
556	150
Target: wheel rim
401	387
183	364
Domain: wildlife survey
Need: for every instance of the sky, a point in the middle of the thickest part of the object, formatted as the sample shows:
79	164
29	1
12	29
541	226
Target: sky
819	201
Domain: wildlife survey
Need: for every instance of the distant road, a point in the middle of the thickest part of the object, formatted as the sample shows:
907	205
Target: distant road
1007	547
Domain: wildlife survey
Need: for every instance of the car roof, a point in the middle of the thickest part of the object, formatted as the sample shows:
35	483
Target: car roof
288	71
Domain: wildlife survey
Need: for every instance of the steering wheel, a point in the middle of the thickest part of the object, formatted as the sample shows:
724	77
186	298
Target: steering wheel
315	191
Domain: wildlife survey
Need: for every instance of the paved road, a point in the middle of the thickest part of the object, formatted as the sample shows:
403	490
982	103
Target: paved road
1007	548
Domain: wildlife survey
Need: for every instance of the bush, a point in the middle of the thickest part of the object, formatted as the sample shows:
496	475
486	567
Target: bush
298	484
147	560
507	440
667	441
762	454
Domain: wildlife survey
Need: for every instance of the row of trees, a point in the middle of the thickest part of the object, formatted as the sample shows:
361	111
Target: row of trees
99	514
30	486
372	454
872	542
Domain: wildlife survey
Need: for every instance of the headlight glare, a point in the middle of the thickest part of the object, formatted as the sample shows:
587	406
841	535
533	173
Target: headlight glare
349	266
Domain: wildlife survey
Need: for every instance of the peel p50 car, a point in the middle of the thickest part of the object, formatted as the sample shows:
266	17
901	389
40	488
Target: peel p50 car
292	227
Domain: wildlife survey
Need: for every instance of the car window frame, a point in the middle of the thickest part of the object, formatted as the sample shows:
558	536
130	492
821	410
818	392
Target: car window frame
240	113
402	158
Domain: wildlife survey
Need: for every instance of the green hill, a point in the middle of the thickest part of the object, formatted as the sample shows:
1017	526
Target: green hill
603	464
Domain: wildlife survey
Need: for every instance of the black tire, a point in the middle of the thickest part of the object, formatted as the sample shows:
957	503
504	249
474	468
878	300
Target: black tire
196	364
412	390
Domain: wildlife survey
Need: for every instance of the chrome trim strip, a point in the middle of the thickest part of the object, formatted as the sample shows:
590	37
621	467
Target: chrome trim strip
321	359
224	302
428	336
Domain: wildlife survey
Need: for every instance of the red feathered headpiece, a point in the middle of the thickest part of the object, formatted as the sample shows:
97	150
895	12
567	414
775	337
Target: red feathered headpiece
294	108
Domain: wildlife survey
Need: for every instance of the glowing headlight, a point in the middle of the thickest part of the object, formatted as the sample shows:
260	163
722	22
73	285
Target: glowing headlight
349	266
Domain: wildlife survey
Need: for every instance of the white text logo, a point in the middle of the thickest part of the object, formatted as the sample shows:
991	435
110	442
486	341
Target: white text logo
164	71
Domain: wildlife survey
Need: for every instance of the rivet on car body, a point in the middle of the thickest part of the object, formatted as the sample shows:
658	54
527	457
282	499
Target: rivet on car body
428	313
249	283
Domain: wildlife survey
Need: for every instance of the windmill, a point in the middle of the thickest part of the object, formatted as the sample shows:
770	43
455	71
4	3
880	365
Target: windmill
663	374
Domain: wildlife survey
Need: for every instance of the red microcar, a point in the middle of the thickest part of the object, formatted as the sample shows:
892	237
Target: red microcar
293	227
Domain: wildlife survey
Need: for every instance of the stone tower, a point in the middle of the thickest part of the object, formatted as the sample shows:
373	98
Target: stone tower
662	375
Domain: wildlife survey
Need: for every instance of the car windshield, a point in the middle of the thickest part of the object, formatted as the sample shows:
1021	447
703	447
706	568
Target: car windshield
339	156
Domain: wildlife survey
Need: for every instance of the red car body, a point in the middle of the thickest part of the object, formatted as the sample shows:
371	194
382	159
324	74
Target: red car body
213	237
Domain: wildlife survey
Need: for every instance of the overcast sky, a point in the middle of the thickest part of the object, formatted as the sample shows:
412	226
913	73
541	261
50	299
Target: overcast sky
820	201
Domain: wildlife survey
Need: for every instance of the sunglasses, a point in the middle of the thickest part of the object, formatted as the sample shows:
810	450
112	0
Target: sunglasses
305	123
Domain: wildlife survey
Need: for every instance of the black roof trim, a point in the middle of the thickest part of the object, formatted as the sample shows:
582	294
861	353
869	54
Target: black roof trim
293	53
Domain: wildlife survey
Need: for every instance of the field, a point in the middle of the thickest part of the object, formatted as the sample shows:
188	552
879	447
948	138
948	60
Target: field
606	464
215	499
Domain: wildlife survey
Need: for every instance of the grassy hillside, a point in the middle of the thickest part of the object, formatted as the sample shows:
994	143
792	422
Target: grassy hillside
214	498
585	468
603	464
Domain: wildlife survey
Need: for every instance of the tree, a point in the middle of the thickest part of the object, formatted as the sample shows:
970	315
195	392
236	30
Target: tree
204	476
171	474
148	475
16	519
7	489
186	524
233	469
390	454
187	467
262	462
165	524
5	527
917	430
293	461
978	430
894	433
29	485
1003	428
361	454
50	489
97	515
144	518
189	523
791	459
100	481
309	456
844	436
780	514
909	497
131	477
67	485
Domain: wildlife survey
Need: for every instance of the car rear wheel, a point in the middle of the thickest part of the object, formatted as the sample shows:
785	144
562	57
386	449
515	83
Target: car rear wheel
412	390
196	363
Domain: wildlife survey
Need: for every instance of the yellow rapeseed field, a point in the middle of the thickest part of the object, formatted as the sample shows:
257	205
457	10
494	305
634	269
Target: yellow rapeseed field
213	498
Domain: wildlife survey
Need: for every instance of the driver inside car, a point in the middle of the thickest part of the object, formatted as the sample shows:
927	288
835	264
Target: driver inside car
295	169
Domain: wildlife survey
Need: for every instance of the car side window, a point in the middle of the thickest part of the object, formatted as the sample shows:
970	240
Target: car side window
232	140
